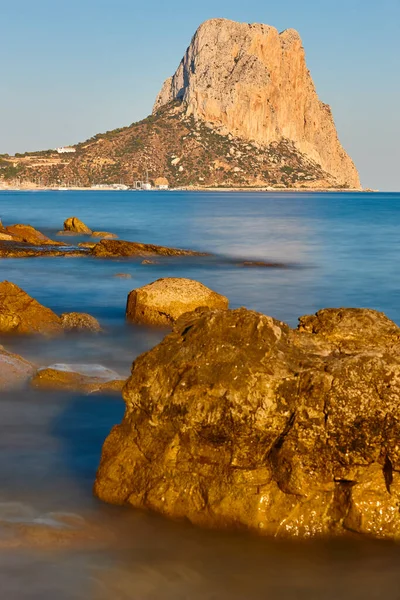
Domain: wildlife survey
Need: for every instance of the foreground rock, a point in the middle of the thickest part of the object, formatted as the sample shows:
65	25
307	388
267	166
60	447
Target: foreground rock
112	248
165	300
15	372
20	313
75	225
235	420
78	378
80	322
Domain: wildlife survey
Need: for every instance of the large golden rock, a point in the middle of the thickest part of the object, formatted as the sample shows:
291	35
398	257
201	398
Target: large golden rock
236	420
165	300
20	313
253	82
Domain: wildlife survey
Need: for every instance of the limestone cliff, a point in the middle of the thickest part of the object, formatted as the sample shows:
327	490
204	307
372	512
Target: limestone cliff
253	82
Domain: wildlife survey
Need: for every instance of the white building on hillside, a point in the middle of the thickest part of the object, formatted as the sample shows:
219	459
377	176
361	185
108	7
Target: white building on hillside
65	150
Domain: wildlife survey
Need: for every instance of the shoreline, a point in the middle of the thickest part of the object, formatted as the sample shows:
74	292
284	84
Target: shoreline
268	189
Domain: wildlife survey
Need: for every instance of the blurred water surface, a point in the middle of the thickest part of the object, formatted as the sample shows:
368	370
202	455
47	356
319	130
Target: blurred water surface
339	249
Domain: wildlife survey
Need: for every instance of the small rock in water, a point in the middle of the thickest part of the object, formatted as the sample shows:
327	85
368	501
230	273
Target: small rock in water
75	225
79	322
123	275
78	377
104	234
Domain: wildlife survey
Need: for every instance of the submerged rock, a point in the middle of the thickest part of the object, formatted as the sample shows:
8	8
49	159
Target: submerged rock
80	378
165	300
75	225
23	526
20	313
236	420
110	248
15	371
104	234
75	321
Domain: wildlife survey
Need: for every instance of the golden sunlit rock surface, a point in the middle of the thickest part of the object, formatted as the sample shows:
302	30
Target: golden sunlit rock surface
237	421
165	300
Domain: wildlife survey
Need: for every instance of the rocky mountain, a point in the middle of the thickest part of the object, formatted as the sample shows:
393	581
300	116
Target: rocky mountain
254	82
240	111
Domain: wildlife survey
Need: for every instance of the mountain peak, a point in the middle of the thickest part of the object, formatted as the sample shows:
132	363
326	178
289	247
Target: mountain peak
254	82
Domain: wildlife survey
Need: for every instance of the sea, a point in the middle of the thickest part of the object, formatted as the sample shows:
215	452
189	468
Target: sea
325	249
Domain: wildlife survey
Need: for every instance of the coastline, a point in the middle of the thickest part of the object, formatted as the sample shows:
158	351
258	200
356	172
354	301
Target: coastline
34	188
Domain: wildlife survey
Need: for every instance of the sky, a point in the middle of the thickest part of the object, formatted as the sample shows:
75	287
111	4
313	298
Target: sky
73	68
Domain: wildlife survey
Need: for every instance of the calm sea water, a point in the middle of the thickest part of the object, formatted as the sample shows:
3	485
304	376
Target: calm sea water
335	250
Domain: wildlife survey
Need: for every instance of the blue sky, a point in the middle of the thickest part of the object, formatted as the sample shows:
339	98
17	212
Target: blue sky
73	68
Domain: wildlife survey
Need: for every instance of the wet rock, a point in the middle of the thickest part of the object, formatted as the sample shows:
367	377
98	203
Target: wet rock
88	245
30	235
78	378
352	327
13	249
15	372
20	313
236	420
123	275
146	261
75	225
111	248
79	322
104	234
165	300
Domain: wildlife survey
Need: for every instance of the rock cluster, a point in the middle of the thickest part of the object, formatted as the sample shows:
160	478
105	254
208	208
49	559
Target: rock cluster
20	313
253	82
236	420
